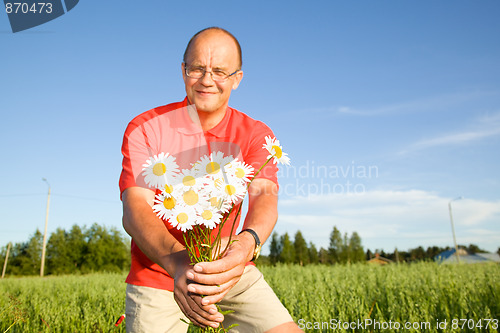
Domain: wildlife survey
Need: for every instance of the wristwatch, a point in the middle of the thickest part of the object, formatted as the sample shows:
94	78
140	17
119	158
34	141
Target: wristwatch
258	245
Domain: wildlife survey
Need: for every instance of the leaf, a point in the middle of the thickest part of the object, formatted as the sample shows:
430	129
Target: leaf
187	322
226	312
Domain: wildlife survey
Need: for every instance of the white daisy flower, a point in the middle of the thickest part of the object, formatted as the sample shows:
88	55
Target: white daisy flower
239	170
209	216
164	204
274	148
193	197
214	184
183	218
188	179
234	191
159	170
212	164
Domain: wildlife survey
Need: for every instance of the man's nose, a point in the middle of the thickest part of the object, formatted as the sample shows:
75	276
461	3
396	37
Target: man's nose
207	79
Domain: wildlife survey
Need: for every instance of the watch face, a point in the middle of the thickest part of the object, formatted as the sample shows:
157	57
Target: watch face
256	253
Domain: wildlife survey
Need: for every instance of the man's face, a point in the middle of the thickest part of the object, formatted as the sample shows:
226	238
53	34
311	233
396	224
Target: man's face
212	50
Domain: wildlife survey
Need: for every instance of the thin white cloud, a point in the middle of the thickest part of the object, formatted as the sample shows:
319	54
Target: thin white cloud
389	219
456	138
418	105
483	127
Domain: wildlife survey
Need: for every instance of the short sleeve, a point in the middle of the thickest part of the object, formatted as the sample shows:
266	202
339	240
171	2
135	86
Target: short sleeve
257	155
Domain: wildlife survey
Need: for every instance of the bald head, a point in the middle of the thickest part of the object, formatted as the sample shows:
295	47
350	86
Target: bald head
211	31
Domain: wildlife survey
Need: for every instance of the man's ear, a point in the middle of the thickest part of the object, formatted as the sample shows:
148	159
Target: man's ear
237	79
183	68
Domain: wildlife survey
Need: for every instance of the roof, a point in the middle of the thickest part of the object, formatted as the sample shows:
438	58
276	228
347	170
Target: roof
449	257
378	259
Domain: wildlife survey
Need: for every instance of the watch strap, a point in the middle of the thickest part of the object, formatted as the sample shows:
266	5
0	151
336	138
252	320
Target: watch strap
257	242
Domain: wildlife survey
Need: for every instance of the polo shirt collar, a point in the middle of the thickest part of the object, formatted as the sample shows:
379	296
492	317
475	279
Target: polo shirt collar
187	126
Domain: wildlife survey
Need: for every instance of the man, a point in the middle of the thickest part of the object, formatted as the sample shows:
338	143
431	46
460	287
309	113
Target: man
201	123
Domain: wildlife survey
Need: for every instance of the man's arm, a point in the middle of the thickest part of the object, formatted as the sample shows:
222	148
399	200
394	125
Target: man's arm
214	279
156	242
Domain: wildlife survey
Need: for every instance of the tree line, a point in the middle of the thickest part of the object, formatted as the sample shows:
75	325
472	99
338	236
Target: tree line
79	250
84	250
343	249
419	253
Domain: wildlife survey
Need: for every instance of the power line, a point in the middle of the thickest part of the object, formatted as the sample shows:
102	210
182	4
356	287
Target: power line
59	195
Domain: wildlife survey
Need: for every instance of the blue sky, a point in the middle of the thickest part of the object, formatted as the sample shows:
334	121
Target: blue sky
388	109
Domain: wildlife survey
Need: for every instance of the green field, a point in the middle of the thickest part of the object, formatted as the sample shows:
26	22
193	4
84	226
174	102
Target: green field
322	298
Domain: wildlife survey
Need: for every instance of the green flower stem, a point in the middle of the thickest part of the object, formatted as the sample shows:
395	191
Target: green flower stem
238	213
232	228
217	240
258	171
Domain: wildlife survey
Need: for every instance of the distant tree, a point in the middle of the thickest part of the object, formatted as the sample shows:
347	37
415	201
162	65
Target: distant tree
473	248
26	257
313	254
76	239
323	256
433	251
368	255
59	253
357	253
275	249
345	252
498	251
287	254
106	251
300	249
417	254
336	244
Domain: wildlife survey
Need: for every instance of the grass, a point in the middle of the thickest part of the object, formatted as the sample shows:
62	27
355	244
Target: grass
318	297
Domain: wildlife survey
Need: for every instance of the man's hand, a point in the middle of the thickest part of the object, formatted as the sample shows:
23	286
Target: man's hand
159	245
189	303
215	279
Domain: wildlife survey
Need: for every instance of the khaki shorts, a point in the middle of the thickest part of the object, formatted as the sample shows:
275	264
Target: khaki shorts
256	307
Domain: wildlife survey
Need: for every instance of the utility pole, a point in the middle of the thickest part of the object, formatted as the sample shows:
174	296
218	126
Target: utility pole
453	228
45	233
6	259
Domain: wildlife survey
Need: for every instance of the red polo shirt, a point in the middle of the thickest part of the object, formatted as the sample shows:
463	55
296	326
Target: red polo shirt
170	129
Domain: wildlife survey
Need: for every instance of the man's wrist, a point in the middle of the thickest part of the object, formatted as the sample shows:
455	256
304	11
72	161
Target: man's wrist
257	247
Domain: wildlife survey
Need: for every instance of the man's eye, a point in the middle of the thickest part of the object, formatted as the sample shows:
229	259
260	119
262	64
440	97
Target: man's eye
220	73
196	70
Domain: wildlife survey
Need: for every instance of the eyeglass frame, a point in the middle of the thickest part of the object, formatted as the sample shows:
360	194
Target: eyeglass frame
211	74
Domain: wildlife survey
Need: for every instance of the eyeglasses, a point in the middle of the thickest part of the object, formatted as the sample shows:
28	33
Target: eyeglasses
199	72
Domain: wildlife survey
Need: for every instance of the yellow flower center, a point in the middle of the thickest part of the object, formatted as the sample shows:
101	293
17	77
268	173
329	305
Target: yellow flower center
190	198
182	218
230	189
169	188
189	181
218	182
278	153
159	169
240	173
212	167
207	215
169	203
214	201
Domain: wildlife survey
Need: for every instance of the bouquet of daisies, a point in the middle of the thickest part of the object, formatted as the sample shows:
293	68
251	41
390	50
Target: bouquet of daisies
197	200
